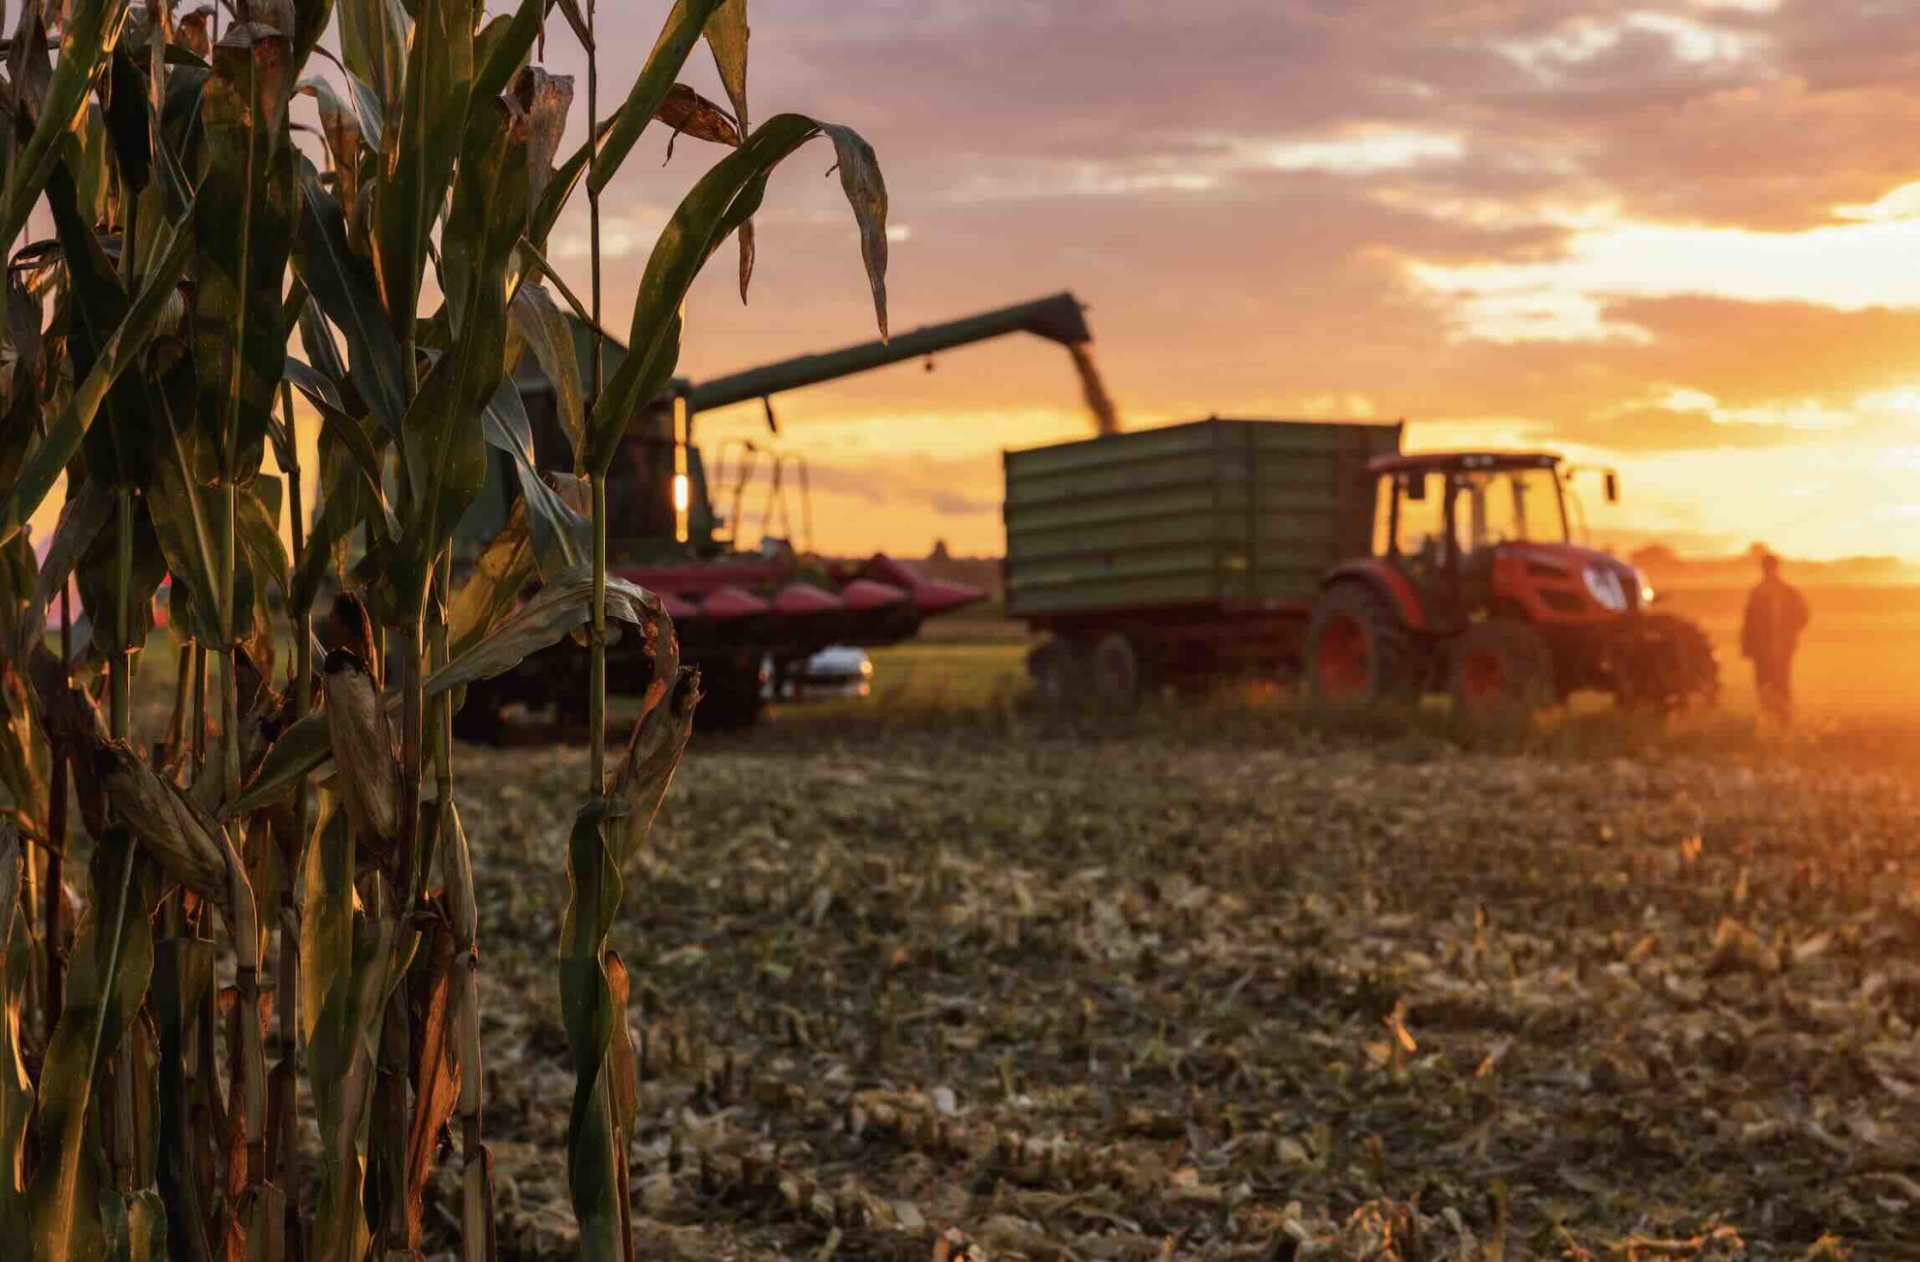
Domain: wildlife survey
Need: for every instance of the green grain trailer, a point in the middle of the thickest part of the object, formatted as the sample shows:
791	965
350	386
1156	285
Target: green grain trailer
1184	553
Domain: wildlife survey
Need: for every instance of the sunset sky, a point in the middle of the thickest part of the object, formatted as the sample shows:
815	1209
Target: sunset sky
1679	236
1682	236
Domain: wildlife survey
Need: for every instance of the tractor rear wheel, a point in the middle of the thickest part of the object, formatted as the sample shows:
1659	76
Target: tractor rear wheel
1500	665
1358	652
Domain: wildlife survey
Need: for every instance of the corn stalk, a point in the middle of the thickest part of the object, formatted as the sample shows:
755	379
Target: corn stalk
191	239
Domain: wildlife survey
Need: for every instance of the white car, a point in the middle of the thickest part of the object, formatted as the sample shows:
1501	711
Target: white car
839	671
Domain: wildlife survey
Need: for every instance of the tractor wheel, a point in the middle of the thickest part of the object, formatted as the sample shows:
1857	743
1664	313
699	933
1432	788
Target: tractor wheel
1059	673
1500	665
1358	652
1664	663
733	699
1117	673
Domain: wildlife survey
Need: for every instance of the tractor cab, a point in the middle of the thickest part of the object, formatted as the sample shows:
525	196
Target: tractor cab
1475	585
1478	533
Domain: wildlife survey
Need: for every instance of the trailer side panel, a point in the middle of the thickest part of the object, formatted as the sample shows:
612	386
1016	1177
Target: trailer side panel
1219	513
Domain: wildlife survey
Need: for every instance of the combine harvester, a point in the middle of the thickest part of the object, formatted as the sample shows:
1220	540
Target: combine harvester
1179	555
737	609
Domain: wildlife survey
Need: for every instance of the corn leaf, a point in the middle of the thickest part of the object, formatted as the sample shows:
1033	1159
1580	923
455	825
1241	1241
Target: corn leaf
560	535
544	99
82	517
366	102
653	754
16	1085
546	619
690	114
120	451
98	579
506	52
190	516
727	36
345	979
503	567
443	443
124	111
685	22
259	534
417	158
867	193
373	44
88	33
244	226
347	499
560	186
724	198
319	390
623	1061
540	323
301	750
344	286
434	1072
312	17
345	137
587	1010
69	430
107	977
555	610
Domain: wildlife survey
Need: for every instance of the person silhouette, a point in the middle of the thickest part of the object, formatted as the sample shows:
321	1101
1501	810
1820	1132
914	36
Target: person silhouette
1776	614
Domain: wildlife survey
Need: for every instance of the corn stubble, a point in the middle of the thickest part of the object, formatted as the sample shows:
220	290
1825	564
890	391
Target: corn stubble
279	886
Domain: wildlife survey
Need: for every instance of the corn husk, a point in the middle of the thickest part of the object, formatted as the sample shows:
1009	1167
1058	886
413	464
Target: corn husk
186	842
363	750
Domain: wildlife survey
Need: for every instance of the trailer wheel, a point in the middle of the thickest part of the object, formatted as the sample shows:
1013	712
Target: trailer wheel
1501	664
1358	653
1058	673
1116	671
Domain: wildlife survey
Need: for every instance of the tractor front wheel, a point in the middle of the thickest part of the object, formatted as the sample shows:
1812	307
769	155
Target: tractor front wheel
1358	653
1500	665
1664	664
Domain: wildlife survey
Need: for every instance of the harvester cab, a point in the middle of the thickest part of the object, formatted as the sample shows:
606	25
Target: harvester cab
1475	583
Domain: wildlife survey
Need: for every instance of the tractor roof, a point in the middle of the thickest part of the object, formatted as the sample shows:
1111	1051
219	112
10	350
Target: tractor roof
1461	461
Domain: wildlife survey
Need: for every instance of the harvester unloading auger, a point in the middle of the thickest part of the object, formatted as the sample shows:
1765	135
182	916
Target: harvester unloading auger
734	609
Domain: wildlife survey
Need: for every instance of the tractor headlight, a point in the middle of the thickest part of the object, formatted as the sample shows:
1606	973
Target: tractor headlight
1646	588
1604	586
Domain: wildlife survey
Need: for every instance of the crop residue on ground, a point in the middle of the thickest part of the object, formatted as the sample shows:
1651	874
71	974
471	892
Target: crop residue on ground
906	993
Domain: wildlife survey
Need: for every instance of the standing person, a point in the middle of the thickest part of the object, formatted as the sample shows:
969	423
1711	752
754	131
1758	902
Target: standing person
1776	615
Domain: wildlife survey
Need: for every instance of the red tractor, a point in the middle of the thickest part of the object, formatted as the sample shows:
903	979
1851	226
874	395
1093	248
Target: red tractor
1474	587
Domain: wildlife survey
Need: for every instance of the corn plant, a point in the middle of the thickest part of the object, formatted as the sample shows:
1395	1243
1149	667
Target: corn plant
298	827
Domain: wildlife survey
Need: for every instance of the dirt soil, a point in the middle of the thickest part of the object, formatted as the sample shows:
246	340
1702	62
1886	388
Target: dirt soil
914	992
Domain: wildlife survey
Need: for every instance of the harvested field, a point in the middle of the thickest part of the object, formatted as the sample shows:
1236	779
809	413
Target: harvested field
1219	986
